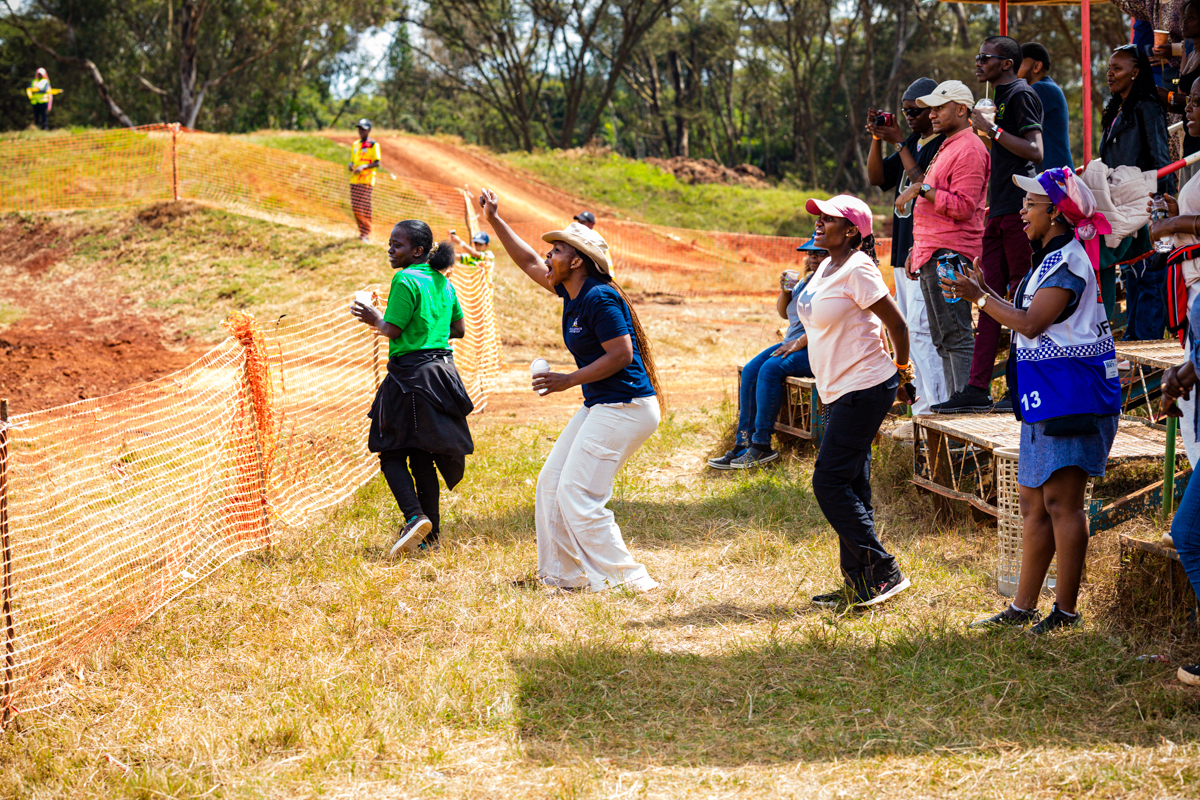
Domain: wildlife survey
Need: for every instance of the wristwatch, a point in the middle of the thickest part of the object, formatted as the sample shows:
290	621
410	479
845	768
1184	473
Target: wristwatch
982	301
899	146
995	131
925	187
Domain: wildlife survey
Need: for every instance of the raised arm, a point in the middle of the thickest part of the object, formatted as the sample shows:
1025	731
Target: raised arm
517	248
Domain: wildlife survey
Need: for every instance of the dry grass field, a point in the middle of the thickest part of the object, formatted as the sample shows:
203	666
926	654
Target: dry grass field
323	670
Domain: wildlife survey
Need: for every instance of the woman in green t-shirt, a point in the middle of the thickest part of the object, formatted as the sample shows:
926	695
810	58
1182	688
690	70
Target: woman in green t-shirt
418	419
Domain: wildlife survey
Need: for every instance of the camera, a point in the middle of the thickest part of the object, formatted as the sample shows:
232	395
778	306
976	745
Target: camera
885	119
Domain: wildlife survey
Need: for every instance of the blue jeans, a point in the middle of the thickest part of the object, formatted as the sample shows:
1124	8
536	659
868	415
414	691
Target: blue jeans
1185	531
1145	311
761	393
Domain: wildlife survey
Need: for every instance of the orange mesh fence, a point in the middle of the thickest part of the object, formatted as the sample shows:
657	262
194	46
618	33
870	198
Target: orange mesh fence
112	507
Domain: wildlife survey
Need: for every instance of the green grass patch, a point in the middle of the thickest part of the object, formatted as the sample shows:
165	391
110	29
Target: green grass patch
10	313
304	144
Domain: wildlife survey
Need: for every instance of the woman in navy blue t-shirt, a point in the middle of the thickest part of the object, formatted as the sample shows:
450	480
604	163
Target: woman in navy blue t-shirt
579	543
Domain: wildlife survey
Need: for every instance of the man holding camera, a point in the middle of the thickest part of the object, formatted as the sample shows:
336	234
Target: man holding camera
899	170
948	224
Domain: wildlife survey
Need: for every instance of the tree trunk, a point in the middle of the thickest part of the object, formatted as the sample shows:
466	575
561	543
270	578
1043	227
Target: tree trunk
189	28
656	103
681	120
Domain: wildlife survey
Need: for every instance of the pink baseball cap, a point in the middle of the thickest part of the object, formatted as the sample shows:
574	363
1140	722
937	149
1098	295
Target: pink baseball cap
845	206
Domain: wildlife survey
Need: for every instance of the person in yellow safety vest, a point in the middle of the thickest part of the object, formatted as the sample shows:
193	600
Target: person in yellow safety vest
364	160
41	96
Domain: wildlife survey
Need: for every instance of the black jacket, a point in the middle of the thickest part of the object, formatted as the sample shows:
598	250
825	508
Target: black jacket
1139	140
422	404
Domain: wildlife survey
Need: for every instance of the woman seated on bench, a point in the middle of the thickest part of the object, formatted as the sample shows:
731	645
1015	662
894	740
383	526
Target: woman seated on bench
762	389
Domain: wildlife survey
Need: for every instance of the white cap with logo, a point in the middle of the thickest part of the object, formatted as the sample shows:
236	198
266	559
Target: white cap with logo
948	92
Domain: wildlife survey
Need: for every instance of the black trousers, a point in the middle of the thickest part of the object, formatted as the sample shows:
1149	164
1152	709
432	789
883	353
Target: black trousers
411	475
40	117
842	481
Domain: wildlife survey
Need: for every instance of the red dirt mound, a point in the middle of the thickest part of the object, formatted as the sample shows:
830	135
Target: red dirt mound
74	337
705	170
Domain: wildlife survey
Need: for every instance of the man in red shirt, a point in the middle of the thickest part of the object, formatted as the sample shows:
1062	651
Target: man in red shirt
948	221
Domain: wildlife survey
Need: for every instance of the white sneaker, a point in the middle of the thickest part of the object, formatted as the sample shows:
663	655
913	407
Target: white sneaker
904	433
411	536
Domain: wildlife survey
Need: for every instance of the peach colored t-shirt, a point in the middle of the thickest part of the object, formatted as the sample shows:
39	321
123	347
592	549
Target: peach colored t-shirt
845	340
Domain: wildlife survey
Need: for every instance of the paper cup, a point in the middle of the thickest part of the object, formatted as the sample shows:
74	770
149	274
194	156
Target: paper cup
1162	38
363	297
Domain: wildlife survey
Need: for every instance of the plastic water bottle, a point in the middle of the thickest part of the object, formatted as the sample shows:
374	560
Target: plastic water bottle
539	366
946	264
1158	210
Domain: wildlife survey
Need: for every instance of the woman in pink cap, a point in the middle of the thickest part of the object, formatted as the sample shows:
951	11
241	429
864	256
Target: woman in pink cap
845	307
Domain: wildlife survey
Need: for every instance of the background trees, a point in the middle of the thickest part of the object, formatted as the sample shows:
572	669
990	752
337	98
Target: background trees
782	84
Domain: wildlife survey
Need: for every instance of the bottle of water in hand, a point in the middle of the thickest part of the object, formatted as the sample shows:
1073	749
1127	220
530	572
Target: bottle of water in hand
1158	210
539	366
946	264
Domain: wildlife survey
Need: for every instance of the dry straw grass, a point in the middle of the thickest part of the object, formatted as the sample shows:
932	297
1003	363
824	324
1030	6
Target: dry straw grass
323	670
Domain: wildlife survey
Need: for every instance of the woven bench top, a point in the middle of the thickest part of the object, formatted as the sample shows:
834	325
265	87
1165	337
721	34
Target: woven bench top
1159	354
1134	439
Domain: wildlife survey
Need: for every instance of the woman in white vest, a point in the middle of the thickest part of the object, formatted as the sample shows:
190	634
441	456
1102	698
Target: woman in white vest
1062	369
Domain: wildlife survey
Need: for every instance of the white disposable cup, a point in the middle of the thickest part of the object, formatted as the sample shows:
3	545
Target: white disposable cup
790	278
363	297
539	366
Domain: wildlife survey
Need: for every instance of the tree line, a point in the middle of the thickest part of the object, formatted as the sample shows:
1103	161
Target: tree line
782	84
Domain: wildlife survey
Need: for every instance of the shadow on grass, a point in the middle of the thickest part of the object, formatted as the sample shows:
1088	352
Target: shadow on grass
722	613
829	695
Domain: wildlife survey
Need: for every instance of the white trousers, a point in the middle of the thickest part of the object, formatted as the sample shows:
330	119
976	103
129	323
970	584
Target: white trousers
579	542
927	364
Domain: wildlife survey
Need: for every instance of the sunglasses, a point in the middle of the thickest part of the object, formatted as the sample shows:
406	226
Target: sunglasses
1025	204
980	58
1126	48
913	113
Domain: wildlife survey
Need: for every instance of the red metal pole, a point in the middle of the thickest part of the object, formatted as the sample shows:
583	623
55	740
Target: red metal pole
1004	17
1085	12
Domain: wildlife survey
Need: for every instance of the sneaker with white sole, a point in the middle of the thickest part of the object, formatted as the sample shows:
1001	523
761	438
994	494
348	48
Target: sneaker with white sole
726	461
877	593
411	535
1008	618
755	457
968	400
1189	674
1056	619
839	597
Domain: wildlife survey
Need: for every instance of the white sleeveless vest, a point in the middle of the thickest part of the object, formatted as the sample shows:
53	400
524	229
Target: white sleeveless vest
1072	367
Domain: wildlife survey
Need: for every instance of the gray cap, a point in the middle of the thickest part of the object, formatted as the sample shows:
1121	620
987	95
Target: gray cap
364	124
919	88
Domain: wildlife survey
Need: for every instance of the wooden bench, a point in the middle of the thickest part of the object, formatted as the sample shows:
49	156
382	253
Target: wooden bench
953	457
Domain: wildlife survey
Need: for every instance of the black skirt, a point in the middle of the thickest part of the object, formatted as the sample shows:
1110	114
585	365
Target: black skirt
423	404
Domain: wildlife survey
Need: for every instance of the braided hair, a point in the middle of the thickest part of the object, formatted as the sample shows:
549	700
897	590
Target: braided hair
439	256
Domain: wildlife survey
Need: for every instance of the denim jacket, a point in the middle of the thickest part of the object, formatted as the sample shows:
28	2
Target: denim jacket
1122	144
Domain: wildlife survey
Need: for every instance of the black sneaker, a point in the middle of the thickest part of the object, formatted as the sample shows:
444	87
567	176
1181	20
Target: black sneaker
876	593
1189	674
755	457
1008	618
726	461
969	400
1054	620
1004	404
839	597
411	535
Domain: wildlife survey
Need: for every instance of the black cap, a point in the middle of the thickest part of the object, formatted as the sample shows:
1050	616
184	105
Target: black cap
586	217
364	124
1037	52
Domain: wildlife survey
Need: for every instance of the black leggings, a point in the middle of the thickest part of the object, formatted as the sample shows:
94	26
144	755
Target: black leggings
413	479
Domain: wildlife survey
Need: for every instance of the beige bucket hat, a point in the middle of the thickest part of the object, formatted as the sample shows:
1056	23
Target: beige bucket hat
586	241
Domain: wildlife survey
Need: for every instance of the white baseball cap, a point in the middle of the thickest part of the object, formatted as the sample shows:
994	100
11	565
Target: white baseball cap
948	92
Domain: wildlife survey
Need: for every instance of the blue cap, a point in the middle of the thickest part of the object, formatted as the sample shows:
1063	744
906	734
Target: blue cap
811	244
480	238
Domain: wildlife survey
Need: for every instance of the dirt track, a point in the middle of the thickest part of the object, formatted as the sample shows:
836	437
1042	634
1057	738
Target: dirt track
523	199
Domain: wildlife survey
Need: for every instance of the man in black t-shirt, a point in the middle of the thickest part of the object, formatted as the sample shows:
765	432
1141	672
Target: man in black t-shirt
1014	137
899	170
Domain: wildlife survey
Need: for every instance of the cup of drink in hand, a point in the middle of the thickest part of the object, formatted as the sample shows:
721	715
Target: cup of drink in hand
1162	38
539	366
988	108
366	298
790	278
